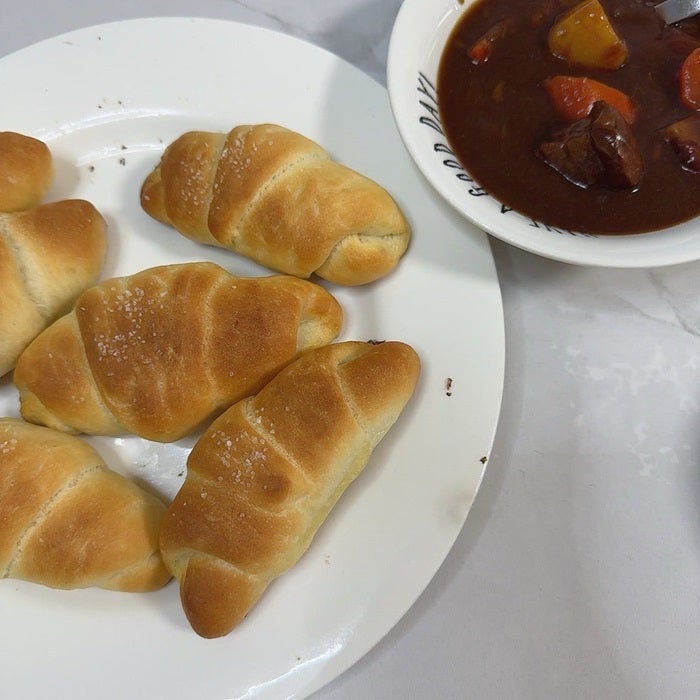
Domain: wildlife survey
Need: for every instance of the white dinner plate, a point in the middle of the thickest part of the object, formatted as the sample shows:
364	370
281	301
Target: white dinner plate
107	99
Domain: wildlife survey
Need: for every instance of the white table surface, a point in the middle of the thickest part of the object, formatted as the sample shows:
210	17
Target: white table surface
577	574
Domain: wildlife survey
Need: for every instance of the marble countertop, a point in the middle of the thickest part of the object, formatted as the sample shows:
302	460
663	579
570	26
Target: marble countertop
577	574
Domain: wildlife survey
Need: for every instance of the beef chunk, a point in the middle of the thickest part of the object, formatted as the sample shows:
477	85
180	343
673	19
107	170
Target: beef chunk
596	151
684	138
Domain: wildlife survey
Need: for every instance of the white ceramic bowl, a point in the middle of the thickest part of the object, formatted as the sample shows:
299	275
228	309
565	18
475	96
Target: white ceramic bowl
419	34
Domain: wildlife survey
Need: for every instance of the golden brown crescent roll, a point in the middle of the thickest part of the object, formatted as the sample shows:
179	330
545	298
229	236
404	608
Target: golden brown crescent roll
276	197
160	352
26	171
266	473
68	521
48	256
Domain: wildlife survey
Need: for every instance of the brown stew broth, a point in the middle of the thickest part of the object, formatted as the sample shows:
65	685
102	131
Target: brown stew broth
497	113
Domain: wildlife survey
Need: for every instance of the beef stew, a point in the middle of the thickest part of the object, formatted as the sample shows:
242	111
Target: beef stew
617	152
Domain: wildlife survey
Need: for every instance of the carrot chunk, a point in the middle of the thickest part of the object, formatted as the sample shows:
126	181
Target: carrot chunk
689	80
573	97
481	50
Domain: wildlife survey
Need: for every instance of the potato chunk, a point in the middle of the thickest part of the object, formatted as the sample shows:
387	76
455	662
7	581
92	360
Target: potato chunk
584	36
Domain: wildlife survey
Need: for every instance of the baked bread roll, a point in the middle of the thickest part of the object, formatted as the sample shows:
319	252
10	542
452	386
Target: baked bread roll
26	171
277	198
48	256
70	522
161	352
265	474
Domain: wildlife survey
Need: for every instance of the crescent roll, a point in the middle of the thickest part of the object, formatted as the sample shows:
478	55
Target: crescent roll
48	256
161	352
26	171
264	476
68	521
274	196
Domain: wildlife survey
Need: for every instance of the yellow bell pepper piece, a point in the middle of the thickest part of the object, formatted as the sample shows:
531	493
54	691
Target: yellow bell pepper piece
585	36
